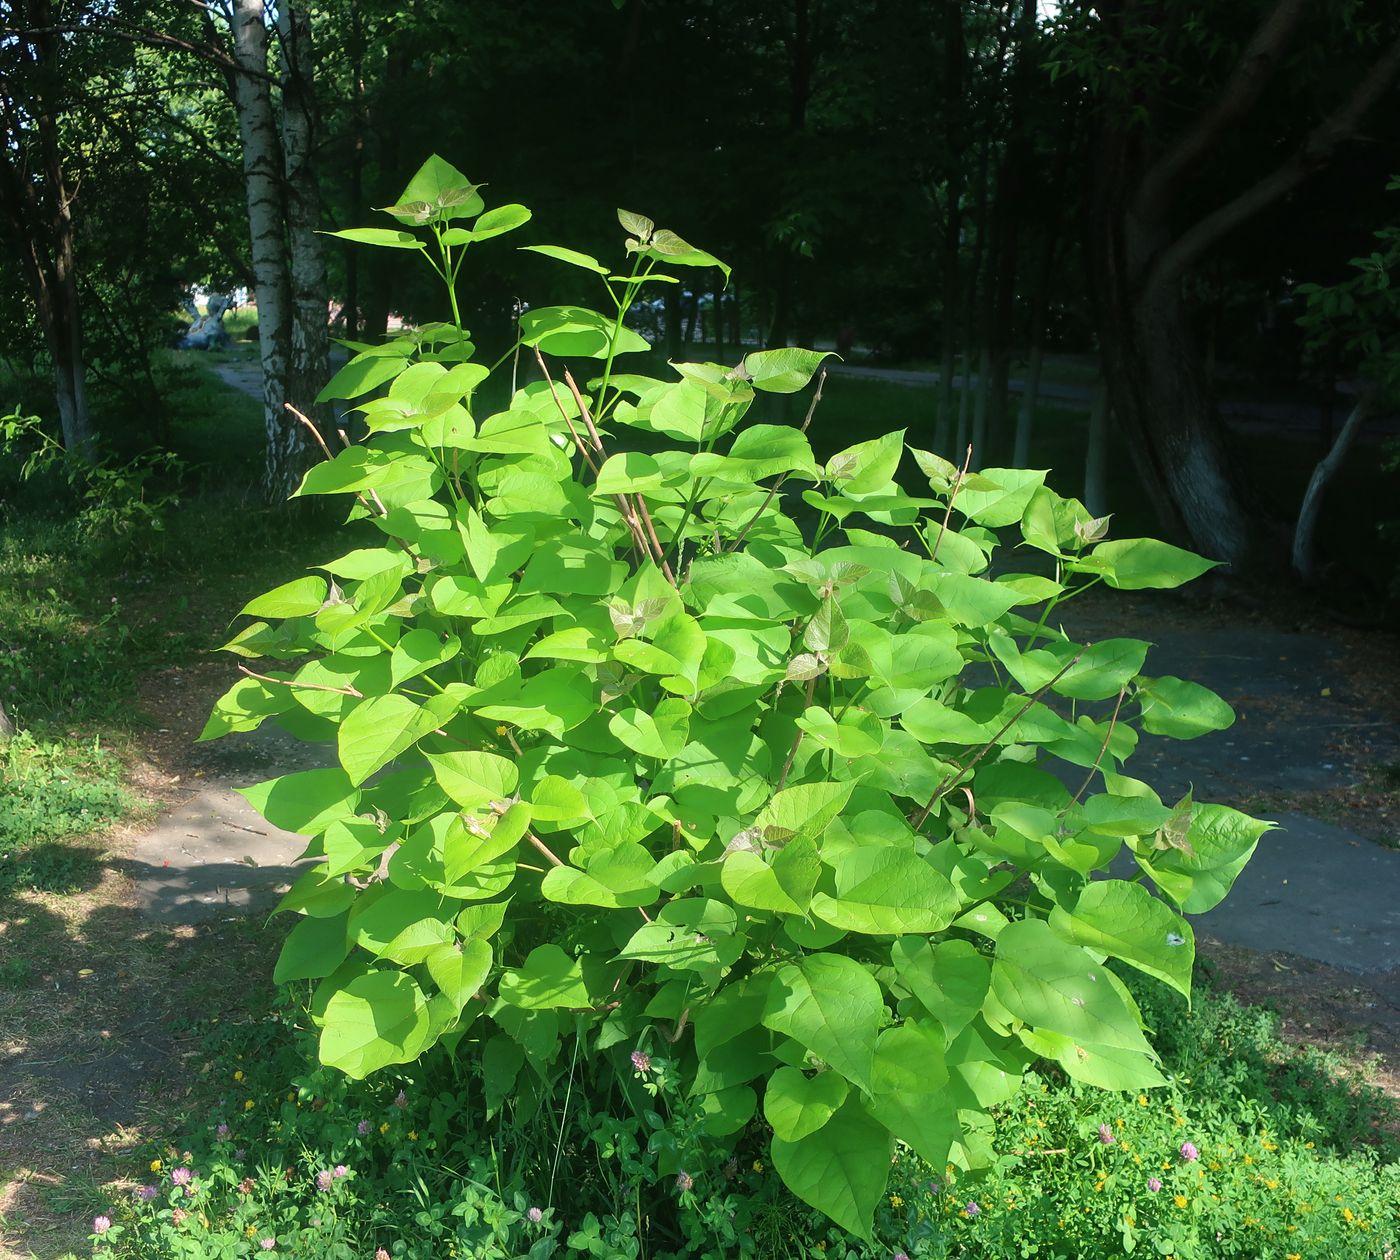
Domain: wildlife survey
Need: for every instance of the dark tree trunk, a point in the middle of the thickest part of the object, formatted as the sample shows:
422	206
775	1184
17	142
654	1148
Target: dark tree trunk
39	213
954	61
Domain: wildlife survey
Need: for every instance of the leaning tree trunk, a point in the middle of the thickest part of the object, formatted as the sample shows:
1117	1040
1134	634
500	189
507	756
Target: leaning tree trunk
1303	560
306	370
262	168
1159	398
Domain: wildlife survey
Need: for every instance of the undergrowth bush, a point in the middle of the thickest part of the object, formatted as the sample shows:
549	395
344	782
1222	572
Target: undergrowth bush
633	770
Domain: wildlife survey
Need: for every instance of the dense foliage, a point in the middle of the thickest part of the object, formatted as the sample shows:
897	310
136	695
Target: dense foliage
629	766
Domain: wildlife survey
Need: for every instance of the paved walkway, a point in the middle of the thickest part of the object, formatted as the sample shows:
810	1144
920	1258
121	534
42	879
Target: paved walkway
1313	889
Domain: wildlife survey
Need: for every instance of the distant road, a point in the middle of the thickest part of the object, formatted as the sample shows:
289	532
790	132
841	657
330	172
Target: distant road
1301	416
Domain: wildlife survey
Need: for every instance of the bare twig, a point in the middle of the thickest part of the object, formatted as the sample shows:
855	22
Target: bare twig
797	739
778	485
1103	748
559	402
959	771
315	432
952	498
304	686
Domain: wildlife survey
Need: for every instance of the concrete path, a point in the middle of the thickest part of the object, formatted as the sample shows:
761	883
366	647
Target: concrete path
1313	889
214	854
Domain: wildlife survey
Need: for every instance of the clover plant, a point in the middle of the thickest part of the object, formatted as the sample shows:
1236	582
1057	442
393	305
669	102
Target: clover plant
627	761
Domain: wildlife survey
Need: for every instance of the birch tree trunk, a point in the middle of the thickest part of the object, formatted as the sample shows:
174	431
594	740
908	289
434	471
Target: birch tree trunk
306	368
262	167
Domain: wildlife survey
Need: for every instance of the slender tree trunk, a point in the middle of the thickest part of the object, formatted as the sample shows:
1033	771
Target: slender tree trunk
359	128
1096	455
954	62
979	407
1030	396
1303	535
306	369
7	726
675	334
719	322
262	168
964	404
1010	212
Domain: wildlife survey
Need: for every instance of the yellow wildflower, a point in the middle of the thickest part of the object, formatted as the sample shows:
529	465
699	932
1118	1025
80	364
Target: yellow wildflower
1248	1159
1349	1215
896	1201
1268	1146
156	1165
758	1165
1142	1100
503	729
413	1135
384	1128
250	1231
238	1075
1271	1183
248	1106
1180	1200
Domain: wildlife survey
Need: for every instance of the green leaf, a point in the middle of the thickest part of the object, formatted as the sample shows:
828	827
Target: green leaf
797	1105
1135	564
881	891
549	979
1181	709
783	371
930	722
785	886
867	466
362	374
950	979
831	1005
291	599
805	810
377	730
841	1169
629	472
1221	840
305	802
388	238
377	1019
313	949
998	496
911	1097
573	331
661	733
418	651
498	220
459	970
1123	919
1049	983
444	189
474	779
570	256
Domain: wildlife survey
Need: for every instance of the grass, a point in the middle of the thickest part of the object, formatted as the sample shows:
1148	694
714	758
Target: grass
50	791
1290	1155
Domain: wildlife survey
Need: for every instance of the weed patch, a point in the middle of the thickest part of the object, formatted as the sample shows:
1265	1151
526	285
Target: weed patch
49	791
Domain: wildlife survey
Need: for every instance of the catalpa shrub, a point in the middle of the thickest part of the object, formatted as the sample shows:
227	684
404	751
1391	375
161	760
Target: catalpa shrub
627	760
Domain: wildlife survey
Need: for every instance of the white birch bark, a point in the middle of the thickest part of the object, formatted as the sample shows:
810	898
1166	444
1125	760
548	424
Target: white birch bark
307	270
262	166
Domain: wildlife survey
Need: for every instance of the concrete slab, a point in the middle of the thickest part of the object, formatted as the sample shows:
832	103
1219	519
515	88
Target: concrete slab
1315	890
213	855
